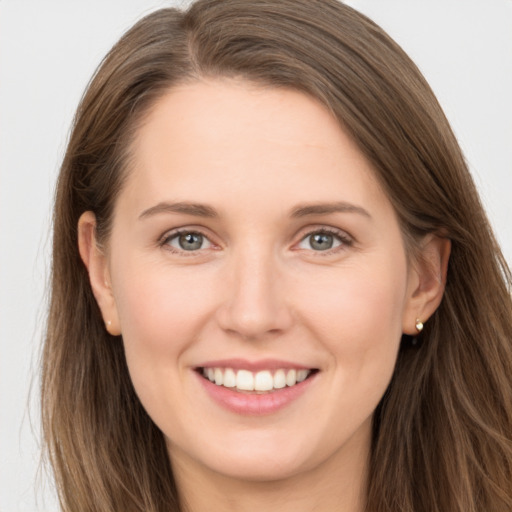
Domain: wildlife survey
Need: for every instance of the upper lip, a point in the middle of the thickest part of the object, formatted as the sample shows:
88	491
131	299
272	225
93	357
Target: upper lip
254	366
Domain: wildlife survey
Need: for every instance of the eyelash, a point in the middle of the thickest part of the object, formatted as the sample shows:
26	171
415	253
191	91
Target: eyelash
344	239
167	237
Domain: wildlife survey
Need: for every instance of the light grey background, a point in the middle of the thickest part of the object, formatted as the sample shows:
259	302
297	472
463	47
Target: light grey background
48	51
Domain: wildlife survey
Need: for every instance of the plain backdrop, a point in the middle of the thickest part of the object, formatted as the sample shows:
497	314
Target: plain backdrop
48	51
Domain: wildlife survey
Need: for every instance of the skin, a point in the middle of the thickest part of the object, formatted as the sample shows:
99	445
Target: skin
256	289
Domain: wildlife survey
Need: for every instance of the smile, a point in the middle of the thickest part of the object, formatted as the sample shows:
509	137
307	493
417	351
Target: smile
259	382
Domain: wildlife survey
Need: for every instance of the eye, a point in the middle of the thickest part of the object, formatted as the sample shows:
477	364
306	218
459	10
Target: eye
187	241
323	240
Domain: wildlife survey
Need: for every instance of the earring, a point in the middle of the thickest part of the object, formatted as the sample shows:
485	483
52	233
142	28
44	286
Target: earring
108	324
419	325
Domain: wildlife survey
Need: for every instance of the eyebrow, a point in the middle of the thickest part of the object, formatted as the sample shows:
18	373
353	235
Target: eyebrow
203	210
327	208
195	209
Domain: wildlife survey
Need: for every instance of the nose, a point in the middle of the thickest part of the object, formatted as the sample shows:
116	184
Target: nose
255	304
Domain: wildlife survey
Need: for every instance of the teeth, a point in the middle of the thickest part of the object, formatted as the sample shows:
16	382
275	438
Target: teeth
244	380
291	377
229	378
263	381
301	375
280	379
219	376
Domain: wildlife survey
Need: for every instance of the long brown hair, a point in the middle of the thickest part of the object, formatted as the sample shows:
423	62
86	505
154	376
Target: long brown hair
443	431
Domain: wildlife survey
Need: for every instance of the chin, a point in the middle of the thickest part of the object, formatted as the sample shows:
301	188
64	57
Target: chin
260	468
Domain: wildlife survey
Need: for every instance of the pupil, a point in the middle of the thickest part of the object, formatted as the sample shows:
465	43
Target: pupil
191	241
321	241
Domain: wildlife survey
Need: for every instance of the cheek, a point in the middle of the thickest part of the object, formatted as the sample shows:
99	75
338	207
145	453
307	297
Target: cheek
359	321
160	315
358	303
157	307
355	318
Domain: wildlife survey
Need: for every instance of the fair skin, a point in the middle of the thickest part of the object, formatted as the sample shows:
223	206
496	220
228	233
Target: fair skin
291	258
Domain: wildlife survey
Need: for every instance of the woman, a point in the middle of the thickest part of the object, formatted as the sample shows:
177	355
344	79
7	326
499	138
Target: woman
273	280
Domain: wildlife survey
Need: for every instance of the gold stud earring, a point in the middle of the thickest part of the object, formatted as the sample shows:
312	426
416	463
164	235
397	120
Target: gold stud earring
419	325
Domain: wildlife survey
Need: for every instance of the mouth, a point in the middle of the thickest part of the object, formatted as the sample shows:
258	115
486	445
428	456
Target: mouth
260	382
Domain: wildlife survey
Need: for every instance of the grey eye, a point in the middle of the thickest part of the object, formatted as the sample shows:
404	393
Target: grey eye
189	241
320	241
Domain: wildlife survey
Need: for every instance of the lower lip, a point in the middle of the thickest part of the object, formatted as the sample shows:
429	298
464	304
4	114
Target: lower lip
249	404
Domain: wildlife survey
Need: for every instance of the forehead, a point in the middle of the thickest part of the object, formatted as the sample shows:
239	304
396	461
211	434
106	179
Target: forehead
213	138
218	113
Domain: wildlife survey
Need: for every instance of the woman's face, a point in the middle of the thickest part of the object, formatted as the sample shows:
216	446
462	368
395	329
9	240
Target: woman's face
252	245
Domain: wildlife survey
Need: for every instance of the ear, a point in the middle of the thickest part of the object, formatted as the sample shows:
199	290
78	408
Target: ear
427	281
96	263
